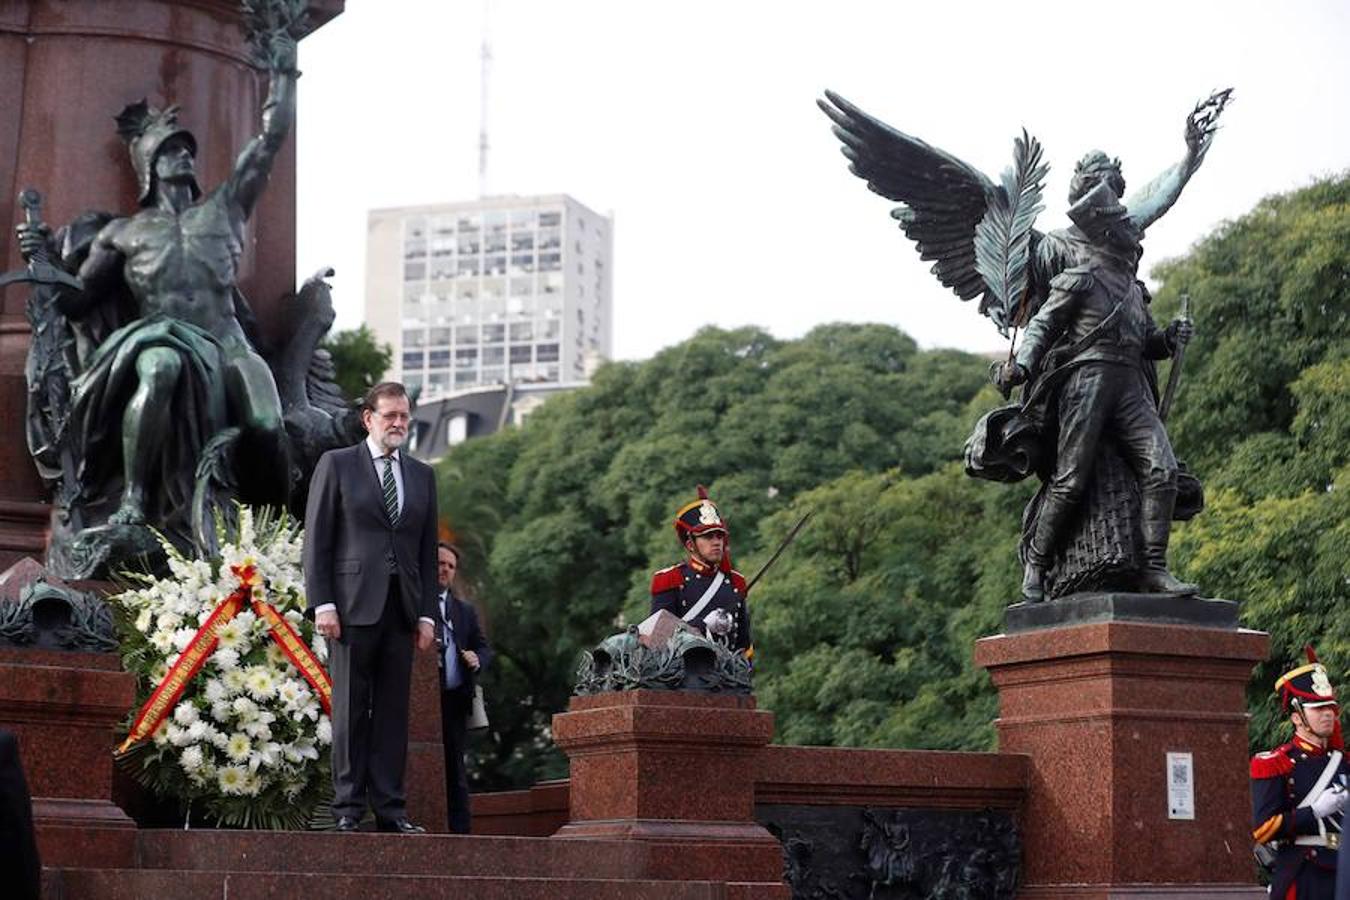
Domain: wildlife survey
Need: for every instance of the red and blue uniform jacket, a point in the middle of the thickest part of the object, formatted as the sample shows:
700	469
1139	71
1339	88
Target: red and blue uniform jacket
679	588
1281	779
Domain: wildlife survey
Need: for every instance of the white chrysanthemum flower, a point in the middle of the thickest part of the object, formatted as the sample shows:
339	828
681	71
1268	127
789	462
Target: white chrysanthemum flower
185	713
276	657
238	746
169	621
175	735
182	637
270	754
320	648
290	693
324	731
253	785
162	640
221	711
232	635
214	690
260	682
294	616
191	759
199	730
158	671
245	708
232	779
234	681
143	621
220	740
226	659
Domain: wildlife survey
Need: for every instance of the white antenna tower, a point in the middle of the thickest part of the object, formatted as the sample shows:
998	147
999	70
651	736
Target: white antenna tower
483	104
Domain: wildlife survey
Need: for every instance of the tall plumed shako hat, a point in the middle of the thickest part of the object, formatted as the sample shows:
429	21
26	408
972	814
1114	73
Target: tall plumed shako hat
1306	686
145	129
699	517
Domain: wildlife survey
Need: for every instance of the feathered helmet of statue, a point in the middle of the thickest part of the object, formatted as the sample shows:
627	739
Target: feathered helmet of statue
146	129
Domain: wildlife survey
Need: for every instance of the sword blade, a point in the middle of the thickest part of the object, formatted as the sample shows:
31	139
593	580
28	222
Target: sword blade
792	536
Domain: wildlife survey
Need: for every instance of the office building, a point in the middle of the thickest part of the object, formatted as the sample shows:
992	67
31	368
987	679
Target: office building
493	291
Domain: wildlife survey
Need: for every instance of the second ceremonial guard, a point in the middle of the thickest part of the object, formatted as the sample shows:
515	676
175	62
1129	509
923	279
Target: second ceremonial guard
1299	790
704	590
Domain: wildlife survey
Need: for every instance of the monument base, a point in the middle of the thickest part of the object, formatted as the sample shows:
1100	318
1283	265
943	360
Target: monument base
1137	739
1117	606
675	769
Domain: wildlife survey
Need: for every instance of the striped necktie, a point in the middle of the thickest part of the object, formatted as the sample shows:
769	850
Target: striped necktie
390	490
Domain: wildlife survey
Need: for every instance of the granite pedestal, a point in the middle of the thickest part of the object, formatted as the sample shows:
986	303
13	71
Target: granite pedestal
675	768
1097	706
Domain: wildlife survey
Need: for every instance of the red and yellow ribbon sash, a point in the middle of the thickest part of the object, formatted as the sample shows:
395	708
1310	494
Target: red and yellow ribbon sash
165	697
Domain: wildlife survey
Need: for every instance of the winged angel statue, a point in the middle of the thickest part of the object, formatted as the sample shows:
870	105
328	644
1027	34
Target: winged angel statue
1087	421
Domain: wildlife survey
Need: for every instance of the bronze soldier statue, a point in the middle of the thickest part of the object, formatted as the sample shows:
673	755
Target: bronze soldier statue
169	396
1088	422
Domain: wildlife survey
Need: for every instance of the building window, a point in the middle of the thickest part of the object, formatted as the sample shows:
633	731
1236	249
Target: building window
521	331
468	246
414	271
468	224
522	287
412	382
546	352
414	339
466	379
468	267
522	263
493	376
520	354
548	219
549	329
495	265
466	335
550	262
438	383
438	359
494	356
550	239
413	360
494	334
439	337
466	359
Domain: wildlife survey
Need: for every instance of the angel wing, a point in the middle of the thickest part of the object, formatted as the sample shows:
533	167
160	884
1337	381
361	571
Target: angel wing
944	202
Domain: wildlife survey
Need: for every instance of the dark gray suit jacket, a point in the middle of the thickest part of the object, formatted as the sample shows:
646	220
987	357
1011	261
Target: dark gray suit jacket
348	537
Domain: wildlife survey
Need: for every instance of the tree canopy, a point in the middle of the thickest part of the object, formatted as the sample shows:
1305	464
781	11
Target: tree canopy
864	629
360	360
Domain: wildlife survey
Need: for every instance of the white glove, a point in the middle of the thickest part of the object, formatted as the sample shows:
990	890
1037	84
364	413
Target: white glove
1329	802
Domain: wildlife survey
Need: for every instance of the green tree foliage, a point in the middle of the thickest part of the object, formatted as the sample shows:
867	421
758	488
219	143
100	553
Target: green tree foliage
360	360
865	628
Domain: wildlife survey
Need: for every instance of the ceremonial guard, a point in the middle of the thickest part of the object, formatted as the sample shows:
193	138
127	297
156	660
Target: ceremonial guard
705	590
1299	790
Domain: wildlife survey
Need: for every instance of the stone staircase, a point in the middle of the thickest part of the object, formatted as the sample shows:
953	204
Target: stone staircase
232	865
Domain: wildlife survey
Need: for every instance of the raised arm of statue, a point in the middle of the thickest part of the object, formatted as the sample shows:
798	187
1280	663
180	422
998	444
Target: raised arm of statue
254	165
1148	205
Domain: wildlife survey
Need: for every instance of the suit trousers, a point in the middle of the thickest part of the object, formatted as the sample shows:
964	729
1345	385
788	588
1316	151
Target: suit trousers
455	707
20	869
371	667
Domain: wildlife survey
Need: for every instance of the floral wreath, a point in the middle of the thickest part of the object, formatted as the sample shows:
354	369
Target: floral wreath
232	696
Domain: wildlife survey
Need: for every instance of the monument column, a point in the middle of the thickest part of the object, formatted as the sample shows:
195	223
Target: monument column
1137	734
67	67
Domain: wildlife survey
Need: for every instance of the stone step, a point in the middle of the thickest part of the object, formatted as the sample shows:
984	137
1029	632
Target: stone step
136	884
429	854
461	855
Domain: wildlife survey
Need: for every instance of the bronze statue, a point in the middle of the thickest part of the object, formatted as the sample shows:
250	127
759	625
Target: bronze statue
172	408
1087	422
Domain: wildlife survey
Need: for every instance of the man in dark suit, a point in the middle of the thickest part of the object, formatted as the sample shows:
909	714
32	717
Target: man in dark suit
464	654
20	870
370	579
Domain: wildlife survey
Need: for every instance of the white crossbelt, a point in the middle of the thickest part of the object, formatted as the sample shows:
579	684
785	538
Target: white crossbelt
705	599
1322	839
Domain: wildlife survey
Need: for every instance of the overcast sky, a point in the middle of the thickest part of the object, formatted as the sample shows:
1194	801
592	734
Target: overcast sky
694	125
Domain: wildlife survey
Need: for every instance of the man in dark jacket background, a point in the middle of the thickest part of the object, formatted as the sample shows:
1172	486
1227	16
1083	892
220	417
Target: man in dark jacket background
464	655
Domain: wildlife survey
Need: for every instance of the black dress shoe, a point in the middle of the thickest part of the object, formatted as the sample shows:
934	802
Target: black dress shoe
347	823
400	826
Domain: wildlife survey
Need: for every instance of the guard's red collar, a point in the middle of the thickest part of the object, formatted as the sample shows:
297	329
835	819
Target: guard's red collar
700	566
1308	747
